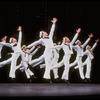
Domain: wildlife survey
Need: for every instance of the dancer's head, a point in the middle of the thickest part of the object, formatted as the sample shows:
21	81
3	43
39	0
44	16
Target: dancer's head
66	40
59	42
43	34
78	42
24	47
13	40
88	47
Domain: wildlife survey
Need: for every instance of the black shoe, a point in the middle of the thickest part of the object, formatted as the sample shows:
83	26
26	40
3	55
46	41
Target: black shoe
57	80
47	81
33	77
88	80
12	80
84	80
29	80
65	81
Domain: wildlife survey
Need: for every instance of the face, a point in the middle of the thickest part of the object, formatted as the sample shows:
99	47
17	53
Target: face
25	47
59	42
79	43
45	34
67	40
89	47
14	40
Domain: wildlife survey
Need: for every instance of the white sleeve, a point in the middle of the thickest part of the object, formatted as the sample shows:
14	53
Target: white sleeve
35	51
86	42
85	53
93	47
20	37
74	39
31	49
58	46
74	47
6	44
52	31
35	43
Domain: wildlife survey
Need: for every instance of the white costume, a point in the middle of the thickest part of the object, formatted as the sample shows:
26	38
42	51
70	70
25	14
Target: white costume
79	50
16	47
54	61
25	61
48	43
88	61
67	54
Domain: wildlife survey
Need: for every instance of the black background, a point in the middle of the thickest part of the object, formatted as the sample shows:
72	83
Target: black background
34	16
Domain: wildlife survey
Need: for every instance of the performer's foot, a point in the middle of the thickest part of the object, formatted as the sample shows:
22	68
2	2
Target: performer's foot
33	77
88	80
65	81
12	80
29	80
47	81
84	80
57	80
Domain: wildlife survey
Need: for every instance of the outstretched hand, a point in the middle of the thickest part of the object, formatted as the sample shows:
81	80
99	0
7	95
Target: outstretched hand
97	40
19	28
78	30
54	20
90	35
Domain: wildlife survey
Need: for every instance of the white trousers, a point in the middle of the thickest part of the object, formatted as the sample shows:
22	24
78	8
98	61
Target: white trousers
87	62
65	62
47	58
79	62
55	71
24	65
13	65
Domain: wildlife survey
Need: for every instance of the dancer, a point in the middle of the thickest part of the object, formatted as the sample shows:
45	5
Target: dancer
16	47
88	61
27	54
67	48
47	41
54	61
79	49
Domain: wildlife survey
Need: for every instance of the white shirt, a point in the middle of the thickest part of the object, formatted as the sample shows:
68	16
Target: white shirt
67	48
47	41
89	53
79	49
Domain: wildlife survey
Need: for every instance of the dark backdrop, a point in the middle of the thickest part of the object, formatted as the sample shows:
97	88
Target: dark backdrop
34	16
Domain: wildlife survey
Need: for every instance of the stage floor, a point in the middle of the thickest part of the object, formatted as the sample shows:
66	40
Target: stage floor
38	89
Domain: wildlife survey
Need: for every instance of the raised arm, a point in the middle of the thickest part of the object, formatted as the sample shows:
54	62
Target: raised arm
20	35
53	27
86	42
95	44
76	35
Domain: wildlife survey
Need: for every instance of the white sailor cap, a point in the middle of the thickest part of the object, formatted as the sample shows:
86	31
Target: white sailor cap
77	41
23	46
10	40
40	35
